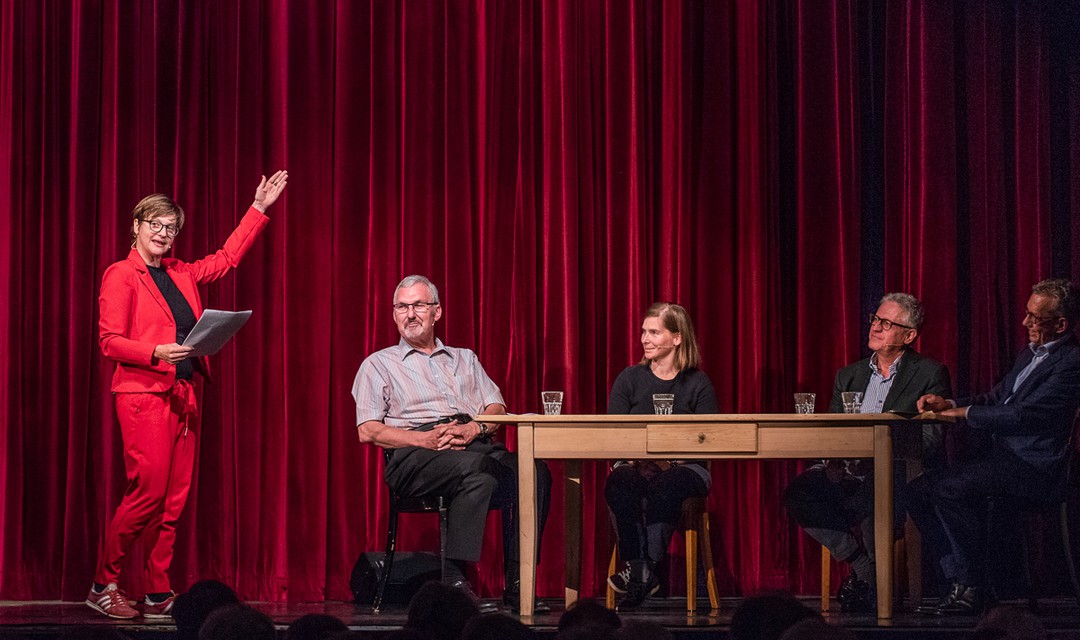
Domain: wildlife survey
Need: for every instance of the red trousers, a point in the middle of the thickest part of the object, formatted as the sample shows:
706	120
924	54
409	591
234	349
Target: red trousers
159	454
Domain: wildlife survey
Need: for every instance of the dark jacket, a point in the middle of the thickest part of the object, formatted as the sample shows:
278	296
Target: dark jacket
1029	436
916	376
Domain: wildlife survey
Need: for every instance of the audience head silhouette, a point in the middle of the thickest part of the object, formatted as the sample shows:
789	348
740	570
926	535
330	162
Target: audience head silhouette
440	611
767	616
495	626
315	626
237	622
192	607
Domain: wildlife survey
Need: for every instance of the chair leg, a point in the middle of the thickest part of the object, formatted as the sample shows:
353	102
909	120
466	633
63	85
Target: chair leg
826	575
913	548
1069	560
444	520
691	539
705	541
388	559
900	564
609	599
1026	542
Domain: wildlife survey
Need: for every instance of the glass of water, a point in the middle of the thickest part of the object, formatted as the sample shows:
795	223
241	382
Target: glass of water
805	402
552	402
852	401
663	403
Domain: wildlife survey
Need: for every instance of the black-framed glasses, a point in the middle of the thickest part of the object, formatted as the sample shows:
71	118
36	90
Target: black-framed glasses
1031	317
418	307
155	227
886	324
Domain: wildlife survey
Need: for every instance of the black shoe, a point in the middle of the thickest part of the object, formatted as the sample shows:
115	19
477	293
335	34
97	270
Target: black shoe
621	580
856	596
637	592
846	592
512	599
463	586
961	600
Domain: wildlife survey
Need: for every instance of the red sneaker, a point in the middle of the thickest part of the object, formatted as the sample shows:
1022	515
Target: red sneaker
111	602
158	609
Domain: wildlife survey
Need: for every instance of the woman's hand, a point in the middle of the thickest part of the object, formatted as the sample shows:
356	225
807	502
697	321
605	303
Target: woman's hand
171	353
268	191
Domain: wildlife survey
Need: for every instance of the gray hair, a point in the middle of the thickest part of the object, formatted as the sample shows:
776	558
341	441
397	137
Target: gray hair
409	281
1066	295
911	306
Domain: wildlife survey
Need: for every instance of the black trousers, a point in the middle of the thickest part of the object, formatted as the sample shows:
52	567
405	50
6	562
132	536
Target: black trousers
950	506
637	500
816	502
483	476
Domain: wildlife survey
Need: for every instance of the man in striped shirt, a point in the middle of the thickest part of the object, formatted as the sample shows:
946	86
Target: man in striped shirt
832	499
418	399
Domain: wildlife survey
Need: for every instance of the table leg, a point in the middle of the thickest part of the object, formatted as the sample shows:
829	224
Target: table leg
883	518
527	517
572	511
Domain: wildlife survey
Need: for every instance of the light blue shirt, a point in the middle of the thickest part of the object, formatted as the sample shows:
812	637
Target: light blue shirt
878	387
1041	353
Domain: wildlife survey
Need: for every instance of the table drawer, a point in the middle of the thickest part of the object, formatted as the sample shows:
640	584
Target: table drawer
688	439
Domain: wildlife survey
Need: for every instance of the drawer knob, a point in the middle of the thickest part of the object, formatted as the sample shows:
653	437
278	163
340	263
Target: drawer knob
701	438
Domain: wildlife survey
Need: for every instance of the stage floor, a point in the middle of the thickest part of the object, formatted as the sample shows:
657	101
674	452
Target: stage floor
39	620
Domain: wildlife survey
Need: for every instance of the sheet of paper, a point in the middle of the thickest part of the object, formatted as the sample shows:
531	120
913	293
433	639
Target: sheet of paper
213	330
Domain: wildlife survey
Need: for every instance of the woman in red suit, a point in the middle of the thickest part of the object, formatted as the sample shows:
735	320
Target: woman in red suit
148	305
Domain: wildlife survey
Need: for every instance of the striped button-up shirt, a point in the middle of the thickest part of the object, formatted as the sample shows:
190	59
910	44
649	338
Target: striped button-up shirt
878	387
405	388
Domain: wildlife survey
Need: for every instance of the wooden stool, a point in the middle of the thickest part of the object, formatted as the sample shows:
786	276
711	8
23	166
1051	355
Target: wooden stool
907	563
695	527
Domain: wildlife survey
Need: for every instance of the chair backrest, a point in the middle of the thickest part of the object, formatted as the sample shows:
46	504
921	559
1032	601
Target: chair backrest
1072	452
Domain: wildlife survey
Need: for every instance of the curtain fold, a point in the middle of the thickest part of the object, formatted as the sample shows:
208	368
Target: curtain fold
555	167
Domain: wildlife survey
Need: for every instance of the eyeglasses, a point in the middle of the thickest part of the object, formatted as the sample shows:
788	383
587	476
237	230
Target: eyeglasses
418	307
886	325
1031	317
155	227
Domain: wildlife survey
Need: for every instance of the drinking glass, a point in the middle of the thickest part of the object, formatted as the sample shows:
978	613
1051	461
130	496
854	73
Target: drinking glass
805	402
552	402
663	403
852	401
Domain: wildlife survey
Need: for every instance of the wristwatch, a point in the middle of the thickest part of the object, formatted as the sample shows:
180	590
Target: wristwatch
483	430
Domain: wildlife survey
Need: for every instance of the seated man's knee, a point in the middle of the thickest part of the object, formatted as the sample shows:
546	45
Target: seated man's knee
804	489
942	485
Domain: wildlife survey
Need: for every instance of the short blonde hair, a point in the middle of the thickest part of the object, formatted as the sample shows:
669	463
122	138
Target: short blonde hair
158	205
676	319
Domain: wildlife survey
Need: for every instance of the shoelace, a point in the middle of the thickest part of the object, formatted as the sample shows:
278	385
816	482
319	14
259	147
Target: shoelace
110	598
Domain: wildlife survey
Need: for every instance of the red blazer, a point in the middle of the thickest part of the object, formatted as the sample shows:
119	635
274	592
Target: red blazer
135	317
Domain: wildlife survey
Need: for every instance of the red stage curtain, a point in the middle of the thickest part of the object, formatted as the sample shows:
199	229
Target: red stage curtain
554	166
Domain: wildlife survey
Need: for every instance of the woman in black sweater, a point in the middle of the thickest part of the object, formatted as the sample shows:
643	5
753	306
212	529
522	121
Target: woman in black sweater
645	496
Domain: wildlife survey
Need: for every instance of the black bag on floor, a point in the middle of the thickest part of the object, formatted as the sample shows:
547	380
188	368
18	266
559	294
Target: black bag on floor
409	572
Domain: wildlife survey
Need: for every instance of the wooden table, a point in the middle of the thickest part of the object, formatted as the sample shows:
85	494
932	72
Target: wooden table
732	436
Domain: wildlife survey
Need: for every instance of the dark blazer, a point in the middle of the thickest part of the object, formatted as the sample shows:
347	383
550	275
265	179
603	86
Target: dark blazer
1029	435
916	376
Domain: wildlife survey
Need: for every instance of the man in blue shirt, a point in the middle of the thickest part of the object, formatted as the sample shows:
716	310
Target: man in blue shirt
1025	426
831	499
